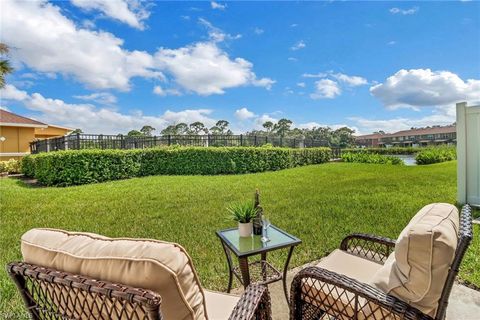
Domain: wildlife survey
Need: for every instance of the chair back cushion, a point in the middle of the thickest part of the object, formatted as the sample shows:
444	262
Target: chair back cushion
417	270
159	266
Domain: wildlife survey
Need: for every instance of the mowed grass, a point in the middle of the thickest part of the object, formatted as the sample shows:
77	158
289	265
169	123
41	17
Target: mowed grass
319	204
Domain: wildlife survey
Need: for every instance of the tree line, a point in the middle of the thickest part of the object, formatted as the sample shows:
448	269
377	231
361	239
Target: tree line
341	137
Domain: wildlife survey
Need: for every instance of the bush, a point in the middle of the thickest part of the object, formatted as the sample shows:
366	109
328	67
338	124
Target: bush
436	155
10	166
74	167
394	150
364	157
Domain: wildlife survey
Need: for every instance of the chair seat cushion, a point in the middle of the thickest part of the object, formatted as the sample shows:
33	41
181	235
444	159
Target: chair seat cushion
350	265
162	267
424	252
220	305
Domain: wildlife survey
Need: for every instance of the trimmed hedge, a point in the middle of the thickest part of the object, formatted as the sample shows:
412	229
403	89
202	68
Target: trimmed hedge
436	155
393	150
364	157
75	167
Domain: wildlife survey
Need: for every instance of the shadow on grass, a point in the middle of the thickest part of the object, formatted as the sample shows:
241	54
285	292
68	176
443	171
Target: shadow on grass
25	182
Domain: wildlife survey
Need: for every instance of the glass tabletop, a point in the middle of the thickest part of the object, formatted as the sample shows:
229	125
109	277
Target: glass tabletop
243	246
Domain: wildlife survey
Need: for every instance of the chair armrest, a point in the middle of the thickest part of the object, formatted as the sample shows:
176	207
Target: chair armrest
344	298
368	246
253	304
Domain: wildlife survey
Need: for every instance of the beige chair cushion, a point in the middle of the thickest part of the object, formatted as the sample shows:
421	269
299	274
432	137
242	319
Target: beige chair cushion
350	265
417	270
159	266
341	303
220	305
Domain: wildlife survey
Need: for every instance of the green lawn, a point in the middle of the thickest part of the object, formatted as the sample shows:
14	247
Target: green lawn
319	204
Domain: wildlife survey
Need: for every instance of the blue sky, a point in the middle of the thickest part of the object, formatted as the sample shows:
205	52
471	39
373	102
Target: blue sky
109	67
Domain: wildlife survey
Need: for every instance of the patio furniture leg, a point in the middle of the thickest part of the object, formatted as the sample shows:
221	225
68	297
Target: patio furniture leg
243	263
230	267
264	267
285	269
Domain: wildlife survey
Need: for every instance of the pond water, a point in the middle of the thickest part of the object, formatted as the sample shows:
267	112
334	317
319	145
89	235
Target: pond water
409	159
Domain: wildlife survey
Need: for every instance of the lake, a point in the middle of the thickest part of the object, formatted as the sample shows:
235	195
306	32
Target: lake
409	159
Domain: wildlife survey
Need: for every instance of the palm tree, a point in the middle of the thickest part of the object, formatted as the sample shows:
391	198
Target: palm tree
5	67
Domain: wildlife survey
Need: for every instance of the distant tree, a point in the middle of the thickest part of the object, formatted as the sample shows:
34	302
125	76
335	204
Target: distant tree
175	129
169	130
197	127
221	127
76	131
5	67
134	133
268	125
282	127
181	128
344	137
147	130
379	132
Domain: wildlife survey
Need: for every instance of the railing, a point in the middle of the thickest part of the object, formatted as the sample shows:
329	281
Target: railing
93	141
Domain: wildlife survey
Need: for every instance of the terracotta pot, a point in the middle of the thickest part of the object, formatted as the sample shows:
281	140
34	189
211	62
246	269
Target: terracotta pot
245	229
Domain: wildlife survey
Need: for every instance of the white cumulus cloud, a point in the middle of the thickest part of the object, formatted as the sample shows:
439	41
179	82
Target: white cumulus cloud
244	114
158	90
299	45
424	87
218	6
404	12
131	12
98	59
326	89
47	41
92	119
352	81
99	97
205	69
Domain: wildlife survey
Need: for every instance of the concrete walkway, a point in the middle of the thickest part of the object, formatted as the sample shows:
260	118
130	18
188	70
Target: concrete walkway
464	302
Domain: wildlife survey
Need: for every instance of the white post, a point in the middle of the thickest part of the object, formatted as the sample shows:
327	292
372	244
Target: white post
461	154
468	154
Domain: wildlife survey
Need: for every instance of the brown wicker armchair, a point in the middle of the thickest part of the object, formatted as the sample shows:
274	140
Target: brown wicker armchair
319	293
49	293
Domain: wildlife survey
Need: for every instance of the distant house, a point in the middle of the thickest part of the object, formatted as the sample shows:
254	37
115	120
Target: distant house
369	140
421	137
16	133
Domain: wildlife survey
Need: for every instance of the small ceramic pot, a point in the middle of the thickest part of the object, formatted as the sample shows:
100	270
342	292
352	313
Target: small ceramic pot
245	229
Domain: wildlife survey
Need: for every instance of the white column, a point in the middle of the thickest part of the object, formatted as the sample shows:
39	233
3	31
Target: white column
461	154
468	154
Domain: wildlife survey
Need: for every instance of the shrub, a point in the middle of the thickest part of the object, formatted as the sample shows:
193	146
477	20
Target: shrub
10	166
436	155
74	167
364	157
394	150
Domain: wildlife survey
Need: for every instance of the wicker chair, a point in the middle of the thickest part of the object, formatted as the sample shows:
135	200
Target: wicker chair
318	293
55	294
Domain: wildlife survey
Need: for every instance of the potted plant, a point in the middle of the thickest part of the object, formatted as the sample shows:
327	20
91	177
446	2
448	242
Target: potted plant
243	213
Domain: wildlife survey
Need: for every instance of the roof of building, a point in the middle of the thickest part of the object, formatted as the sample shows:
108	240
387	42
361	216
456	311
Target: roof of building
11	119
370	136
411	132
423	131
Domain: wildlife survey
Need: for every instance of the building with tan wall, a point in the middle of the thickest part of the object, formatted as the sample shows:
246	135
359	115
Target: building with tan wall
417	137
16	133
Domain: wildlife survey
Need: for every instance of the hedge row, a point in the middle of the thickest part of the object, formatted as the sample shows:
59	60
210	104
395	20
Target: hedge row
393	150
75	167
364	157
436	155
